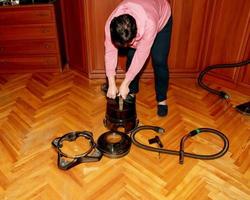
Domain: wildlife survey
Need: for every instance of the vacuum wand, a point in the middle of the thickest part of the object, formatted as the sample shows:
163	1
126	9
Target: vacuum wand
120	103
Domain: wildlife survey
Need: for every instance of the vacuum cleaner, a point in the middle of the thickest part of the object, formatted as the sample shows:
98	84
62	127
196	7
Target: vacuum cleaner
116	143
121	114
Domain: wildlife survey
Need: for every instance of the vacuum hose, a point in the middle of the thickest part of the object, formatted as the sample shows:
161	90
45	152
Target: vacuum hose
221	94
181	152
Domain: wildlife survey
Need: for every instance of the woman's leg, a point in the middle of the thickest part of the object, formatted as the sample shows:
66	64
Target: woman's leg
160	52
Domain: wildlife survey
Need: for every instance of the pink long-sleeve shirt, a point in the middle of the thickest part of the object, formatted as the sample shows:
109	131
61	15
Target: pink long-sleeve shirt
151	16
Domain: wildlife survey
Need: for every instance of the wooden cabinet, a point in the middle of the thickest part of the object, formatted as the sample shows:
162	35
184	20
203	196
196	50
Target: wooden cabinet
29	40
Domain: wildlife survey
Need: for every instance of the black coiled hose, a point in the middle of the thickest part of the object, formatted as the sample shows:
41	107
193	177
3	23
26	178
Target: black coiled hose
181	152
221	94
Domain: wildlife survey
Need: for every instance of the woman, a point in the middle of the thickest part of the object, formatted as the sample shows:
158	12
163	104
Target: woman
143	27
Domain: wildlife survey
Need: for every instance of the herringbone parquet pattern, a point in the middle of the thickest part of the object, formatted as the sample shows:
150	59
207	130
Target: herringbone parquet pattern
36	108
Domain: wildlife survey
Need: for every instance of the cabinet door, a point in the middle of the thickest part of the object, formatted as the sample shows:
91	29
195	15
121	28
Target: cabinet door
73	15
188	35
97	13
227	36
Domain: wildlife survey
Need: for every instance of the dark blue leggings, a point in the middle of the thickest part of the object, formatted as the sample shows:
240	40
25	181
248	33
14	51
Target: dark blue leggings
159	54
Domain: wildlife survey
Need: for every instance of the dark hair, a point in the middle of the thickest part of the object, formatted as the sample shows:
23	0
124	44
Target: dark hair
123	30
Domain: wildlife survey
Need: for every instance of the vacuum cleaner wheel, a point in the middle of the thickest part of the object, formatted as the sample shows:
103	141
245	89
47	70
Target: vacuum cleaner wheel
114	144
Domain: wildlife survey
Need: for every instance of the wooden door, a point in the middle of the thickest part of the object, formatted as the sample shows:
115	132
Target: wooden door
189	36
97	13
227	36
73	18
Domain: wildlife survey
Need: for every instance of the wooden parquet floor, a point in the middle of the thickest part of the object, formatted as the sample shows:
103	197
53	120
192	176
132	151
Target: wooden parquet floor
36	108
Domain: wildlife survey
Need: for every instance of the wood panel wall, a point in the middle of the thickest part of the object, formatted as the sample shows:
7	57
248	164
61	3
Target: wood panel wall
204	33
228	35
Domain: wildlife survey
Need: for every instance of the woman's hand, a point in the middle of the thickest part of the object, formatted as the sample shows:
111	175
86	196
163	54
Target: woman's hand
124	89
112	92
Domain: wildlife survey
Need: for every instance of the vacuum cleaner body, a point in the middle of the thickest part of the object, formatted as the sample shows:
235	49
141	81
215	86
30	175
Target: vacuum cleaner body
121	114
